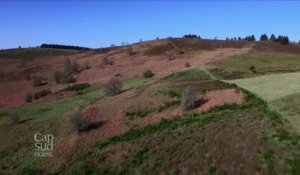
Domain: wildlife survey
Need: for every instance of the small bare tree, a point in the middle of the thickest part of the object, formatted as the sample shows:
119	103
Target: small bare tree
37	81
113	87
77	123
189	99
130	50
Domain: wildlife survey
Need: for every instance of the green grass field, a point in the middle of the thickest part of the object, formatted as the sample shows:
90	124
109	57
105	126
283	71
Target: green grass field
289	106
271	87
238	66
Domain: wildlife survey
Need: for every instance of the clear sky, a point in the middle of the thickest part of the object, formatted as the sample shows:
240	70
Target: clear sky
100	23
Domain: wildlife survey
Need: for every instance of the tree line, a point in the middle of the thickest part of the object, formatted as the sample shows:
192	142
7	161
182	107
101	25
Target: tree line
264	37
284	40
58	46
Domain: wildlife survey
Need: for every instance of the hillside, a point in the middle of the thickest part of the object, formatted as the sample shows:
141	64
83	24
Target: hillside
244	119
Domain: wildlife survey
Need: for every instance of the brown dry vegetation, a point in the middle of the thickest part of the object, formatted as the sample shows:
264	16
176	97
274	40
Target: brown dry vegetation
276	47
144	130
201	53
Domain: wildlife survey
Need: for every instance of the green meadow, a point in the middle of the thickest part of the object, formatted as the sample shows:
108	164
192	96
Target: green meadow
271	87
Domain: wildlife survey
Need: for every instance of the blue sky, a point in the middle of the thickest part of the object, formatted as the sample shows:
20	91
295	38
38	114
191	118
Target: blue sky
100	23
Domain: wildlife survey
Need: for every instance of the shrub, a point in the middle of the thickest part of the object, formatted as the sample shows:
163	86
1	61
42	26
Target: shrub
49	91
148	74
113	87
74	67
28	77
71	67
172	93
130	50
77	87
189	99
36	81
253	69
41	93
58	76
87	65
28	97
107	61
77	123
15	118
68	79
187	64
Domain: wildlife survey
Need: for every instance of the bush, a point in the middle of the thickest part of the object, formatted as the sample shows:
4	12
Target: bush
130	50
68	79
36	81
253	69
28	97
77	123
15	118
148	74
77	87
71	67
189	99
28	77
41	93
58	76
187	64
49	91
107	61
113	87
87	65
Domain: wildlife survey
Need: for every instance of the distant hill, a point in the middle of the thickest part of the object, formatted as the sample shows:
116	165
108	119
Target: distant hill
31	53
